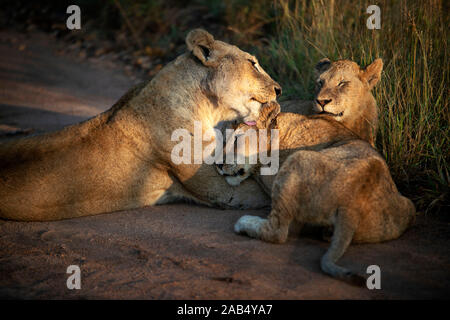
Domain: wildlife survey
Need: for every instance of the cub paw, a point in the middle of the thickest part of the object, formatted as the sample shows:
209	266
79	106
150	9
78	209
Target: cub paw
250	225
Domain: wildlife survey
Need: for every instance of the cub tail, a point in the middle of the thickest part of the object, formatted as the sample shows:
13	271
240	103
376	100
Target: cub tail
341	239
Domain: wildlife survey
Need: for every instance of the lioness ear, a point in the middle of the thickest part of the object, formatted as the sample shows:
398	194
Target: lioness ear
267	115
201	43
323	65
372	74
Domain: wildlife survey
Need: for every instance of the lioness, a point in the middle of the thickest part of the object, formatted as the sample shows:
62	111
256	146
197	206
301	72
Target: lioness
121	159
328	177
344	92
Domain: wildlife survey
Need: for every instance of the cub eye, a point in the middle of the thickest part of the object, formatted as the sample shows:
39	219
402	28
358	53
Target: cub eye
319	83
342	83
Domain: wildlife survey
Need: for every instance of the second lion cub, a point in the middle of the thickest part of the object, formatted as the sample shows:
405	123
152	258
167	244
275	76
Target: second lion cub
328	177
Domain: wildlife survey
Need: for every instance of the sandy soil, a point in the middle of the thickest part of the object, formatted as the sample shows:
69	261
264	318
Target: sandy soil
172	251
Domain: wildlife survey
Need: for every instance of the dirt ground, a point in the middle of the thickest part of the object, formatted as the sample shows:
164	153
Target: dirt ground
171	251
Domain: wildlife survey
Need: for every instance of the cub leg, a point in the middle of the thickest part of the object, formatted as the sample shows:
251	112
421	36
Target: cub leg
273	229
344	229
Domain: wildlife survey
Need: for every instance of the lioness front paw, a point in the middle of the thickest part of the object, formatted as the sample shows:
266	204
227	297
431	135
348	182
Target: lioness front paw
250	225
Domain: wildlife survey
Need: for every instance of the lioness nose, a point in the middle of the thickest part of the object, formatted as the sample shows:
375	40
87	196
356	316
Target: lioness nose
277	91
323	102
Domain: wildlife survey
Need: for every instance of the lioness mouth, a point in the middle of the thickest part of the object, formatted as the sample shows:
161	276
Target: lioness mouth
340	114
262	102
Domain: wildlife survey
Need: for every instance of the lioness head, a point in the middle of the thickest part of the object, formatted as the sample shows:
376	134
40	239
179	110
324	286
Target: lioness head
343	91
235	77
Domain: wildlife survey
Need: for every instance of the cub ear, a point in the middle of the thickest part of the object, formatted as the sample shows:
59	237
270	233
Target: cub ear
372	73
323	65
268	115
201	43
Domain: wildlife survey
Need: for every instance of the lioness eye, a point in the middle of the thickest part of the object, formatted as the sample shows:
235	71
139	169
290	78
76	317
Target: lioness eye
342	83
319	83
253	64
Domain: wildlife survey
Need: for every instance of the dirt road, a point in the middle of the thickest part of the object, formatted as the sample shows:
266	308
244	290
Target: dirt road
172	251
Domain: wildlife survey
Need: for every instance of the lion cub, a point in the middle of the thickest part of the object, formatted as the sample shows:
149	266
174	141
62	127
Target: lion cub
343	91
328	177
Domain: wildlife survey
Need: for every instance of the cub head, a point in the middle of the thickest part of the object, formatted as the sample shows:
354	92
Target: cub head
344	92
246	144
234	78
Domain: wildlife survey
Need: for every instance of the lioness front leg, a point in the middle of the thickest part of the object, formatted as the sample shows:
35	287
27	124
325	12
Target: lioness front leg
273	229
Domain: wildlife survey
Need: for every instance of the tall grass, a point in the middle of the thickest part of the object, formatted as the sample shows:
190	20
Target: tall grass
413	94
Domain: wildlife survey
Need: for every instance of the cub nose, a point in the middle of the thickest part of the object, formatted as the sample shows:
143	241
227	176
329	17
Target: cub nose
277	90
323	102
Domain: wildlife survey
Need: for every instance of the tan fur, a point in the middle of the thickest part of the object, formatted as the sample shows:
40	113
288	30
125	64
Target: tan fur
121	159
328	177
347	87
